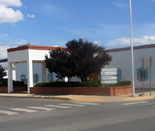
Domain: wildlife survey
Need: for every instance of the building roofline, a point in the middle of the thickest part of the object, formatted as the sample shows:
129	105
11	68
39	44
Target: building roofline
129	48
34	47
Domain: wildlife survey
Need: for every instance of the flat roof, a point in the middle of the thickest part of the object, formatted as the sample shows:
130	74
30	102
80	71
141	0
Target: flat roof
34	47
129	48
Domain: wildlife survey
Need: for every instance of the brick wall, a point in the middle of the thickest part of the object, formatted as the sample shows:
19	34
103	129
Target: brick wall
108	91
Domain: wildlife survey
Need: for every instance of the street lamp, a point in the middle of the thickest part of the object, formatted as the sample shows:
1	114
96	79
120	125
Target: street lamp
132	55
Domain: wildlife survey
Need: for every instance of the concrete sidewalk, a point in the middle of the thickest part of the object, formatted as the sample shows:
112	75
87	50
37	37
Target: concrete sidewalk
88	98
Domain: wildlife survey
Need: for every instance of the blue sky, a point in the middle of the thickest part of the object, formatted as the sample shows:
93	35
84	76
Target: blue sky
54	22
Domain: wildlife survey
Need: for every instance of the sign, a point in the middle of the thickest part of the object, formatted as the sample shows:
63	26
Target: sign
109	76
109	82
146	61
109	73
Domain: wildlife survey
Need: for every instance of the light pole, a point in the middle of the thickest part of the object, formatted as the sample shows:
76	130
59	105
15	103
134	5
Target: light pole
132	55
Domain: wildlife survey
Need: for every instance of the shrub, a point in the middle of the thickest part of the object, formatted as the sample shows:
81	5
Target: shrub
120	83
3	84
15	83
18	83
124	83
70	84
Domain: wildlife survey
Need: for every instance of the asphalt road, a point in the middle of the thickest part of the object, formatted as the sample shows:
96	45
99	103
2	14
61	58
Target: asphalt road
72	116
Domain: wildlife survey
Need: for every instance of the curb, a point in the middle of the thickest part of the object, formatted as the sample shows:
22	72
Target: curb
54	98
139	98
35	97
94	100
76	99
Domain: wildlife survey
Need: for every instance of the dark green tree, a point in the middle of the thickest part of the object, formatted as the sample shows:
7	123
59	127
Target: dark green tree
80	58
2	73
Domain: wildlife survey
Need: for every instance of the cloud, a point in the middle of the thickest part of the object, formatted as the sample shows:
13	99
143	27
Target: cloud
136	41
3	51
4	47
98	42
9	15
20	42
120	5
31	15
16	3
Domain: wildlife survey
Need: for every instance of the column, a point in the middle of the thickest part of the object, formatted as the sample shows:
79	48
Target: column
29	74
66	79
10	81
43	72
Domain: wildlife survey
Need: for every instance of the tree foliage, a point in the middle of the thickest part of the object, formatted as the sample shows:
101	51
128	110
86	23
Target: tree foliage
2	73
80	58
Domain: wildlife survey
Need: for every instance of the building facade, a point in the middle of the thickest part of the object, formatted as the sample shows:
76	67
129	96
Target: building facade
121	58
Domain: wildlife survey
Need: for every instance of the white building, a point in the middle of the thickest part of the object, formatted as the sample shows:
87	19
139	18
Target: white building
30	66
121	58
28	62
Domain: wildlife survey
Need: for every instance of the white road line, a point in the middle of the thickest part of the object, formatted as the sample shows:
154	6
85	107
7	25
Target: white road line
41	108
87	103
8	112
57	106
133	103
24	110
68	104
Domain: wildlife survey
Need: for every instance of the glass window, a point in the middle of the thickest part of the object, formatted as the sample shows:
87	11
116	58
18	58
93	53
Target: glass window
36	78
22	77
50	76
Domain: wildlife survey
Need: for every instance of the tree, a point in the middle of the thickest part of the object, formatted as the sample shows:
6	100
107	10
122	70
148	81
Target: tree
2	73
80	58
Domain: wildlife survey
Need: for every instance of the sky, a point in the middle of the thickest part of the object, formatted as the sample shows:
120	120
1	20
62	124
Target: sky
54	22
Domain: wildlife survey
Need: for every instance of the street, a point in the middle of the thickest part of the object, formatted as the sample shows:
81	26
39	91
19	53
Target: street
51	115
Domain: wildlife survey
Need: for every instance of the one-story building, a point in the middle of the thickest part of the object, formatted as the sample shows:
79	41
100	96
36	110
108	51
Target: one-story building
121	58
28	62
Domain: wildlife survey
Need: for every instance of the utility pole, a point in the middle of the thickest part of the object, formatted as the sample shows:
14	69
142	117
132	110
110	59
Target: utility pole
132	54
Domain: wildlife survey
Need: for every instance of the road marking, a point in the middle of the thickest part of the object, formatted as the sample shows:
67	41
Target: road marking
57	106
24	110
41	108
8	112
68	104
133	103
87	103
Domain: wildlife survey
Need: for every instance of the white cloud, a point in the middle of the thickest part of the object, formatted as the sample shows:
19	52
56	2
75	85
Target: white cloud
98	42
16	3
20	42
3	51
3	48
31	15
121	5
126	41
9	15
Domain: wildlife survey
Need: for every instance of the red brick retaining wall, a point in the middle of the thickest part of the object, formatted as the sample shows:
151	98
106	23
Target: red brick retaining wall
107	91
5	89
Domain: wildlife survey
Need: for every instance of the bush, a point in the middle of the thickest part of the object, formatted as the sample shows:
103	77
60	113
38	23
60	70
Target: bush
15	83
18	83
124	83
120	83
70	84
3	84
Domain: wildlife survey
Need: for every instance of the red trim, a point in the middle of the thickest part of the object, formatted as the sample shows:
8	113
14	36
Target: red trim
129	48
33	47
